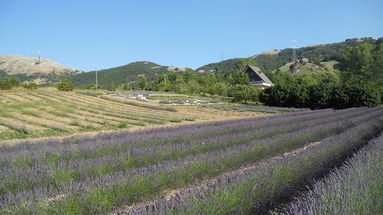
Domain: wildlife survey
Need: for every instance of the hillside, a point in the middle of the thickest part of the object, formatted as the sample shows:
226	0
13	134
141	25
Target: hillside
315	58
29	68
119	75
305	66
274	59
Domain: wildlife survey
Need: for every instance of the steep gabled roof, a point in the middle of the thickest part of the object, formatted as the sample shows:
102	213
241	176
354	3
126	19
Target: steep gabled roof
259	73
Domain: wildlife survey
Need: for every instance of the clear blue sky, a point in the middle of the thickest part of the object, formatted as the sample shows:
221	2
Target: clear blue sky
185	33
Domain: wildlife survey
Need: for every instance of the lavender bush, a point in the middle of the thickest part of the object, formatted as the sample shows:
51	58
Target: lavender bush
355	188
94	175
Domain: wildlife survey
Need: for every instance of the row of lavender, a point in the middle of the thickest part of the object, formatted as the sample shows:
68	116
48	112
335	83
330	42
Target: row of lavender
87	175
256	189
355	188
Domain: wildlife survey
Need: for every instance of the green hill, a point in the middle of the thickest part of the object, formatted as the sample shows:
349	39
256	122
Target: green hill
119	75
305	66
274	59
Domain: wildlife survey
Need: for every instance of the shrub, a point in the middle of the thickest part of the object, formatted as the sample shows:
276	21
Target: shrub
30	85
8	83
322	95
285	96
243	93
65	84
345	96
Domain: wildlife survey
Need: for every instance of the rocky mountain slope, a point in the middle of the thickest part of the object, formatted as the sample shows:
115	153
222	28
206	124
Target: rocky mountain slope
28	68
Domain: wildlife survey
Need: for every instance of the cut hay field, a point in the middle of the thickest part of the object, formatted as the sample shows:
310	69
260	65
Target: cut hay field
45	113
237	166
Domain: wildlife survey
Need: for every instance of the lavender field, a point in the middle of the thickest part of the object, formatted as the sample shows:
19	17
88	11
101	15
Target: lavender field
240	166
355	188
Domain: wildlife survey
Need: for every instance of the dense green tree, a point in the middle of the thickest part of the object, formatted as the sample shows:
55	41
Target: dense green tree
363	65
164	82
65	84
5	84
142	82
190	75
126	86
222	88
274	96
359	96
15	82
243	93
298	96
235	77
31	85
192	87
113	87
179	85
357	65
208	83
321	95
8	82
172	76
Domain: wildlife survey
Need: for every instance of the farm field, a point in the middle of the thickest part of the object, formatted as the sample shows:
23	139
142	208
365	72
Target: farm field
236	166
355	188
46	113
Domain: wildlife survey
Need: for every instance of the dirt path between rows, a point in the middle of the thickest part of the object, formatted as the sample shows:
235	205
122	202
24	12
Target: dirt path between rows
175	194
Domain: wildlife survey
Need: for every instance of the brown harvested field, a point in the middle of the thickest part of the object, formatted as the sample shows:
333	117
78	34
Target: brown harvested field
3	128
42	121
44	113
11	123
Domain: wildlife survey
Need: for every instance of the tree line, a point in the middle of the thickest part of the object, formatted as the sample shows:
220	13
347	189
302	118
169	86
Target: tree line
9	82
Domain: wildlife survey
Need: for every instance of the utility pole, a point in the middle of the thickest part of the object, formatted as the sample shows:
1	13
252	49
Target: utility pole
222	57
38	58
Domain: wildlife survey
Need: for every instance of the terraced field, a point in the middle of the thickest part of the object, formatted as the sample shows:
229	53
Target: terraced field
52	113
238	166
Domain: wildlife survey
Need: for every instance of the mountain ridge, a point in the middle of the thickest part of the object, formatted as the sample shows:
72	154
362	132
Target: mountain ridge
42	70
273	59
268	61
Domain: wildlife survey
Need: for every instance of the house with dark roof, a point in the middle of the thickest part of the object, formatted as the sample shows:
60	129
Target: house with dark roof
257	78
